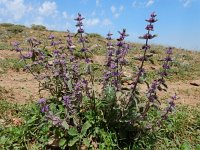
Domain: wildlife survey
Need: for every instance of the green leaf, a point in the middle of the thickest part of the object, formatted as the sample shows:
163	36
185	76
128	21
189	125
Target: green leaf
110	96
86	142
65	125
85	127
3	140
73	141
69	83
62	142
186	146
73	131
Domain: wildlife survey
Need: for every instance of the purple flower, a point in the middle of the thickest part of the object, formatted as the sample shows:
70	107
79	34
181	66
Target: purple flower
153	15
84	49
51	36
82	40
67	101
109	34
166	66
79	24
87	60
169	51
56	52
151	20
80	30
56	61
163	74
153	87
123	33
63	62
45	108
63	56
174	97
123	61
115	74
54	43
149	27
55	119
75	68
145	47
42	100
147	36
56	73
112	65
120	44
15	44
106	75
72	58
79	18
78	86
168	58
27	56
110	53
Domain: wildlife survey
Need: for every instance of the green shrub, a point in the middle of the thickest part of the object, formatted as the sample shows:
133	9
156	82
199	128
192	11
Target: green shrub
38	27
16	29
94	35
6	24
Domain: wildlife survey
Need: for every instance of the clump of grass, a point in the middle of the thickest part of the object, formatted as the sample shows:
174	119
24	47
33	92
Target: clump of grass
5	46
10	63
181	131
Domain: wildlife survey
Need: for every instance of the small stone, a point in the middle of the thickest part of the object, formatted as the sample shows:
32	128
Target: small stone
2	121
194	84
1	70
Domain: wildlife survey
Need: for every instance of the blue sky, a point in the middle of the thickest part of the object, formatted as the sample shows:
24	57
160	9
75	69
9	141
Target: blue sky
178	25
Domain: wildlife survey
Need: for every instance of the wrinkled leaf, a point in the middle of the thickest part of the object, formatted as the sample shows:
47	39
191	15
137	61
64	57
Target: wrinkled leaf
86	142
85	127
110	96
73	131
73	141
62	142
65	125
69	84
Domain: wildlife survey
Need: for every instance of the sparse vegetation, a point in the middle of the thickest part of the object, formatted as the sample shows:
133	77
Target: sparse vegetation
14	64
51	124
15	29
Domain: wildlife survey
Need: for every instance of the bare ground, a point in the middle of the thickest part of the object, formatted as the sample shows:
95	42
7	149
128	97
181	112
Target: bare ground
8	54
21	87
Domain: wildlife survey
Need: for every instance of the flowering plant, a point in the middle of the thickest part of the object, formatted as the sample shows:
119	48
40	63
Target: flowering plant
82	116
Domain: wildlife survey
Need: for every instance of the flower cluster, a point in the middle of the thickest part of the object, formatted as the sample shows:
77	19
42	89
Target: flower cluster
115	60
44	106
170	108
141	70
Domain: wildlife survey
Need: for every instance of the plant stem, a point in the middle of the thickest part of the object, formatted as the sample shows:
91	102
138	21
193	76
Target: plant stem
140	70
